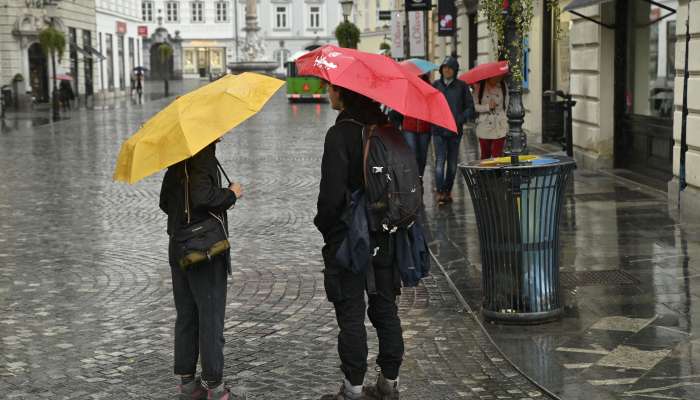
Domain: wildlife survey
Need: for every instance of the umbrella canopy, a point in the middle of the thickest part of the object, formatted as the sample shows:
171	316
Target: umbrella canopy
485	71
419	66
64	77
140	69
192	122
381	79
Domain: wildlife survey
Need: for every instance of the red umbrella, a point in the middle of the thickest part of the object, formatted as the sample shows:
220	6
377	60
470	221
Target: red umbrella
381	79
485	71
64	77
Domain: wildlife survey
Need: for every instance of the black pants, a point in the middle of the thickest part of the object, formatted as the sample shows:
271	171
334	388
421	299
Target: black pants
200	301
346	291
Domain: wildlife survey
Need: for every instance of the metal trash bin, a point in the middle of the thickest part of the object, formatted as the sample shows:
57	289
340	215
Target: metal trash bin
518	209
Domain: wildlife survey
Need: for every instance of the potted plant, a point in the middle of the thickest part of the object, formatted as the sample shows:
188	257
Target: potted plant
347	34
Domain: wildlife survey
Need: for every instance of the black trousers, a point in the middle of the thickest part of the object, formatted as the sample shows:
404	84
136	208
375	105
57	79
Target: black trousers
200	301
346	291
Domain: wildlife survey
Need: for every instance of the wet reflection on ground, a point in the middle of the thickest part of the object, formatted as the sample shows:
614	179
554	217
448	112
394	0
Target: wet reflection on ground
635	340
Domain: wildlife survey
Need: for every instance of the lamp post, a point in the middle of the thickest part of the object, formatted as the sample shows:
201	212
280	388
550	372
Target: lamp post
51	7
347	8
516	113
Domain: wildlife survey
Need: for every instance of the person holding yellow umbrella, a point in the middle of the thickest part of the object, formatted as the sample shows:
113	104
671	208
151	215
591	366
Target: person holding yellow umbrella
182	137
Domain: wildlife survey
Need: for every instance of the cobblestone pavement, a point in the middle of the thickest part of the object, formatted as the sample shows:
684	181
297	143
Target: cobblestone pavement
86	309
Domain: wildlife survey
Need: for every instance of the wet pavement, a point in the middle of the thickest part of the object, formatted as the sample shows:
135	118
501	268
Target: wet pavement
86	308
631	283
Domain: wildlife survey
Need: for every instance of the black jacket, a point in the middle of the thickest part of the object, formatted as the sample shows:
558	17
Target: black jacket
206	193
458	97
341	175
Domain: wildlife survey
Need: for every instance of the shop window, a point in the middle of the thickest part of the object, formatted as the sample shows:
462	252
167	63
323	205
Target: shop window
190	66
650	62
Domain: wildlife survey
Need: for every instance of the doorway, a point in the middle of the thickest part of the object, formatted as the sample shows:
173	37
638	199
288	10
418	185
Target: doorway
38	73
645	68
161	69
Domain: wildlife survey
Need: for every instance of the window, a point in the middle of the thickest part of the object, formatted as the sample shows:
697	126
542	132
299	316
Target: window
172	11
650	67
281	17
315	17
197	11
120	58
222	11
110	61
147	11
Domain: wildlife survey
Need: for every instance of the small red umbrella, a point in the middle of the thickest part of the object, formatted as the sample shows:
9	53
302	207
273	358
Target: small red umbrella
381	79
485	71
64	77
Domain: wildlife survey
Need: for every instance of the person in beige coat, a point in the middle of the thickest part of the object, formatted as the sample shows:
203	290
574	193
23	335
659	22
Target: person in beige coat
490	103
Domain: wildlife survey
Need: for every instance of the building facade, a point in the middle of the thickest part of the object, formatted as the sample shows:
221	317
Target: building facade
207	35
373	31
23	64
119	44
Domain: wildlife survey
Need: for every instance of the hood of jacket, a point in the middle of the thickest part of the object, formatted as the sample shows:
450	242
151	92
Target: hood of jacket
452	63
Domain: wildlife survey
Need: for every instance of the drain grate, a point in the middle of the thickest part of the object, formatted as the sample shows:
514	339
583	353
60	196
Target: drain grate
614	277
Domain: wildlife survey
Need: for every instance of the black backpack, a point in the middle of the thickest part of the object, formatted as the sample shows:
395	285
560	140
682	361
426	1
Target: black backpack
392	184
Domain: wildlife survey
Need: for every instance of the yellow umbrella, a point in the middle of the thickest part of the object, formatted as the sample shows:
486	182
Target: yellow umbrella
192	122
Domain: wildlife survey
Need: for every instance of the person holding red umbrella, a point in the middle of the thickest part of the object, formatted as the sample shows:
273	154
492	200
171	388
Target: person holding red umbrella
490	101
342	173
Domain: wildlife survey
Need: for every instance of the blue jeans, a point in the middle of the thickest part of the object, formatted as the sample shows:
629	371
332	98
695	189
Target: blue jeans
446	152
419	143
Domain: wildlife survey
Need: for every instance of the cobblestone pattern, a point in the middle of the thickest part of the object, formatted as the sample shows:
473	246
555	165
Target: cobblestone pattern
86	308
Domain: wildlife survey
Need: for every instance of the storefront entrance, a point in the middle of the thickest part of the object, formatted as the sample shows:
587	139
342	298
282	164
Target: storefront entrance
38	73
645	72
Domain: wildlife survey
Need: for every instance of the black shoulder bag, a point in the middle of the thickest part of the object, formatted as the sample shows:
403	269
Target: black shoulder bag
200	241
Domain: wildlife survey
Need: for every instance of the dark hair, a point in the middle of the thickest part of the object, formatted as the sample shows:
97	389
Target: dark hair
361	107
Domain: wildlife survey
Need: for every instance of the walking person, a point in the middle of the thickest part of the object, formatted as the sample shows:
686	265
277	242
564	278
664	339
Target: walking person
446	142
192	192
66	92
341	175
490	102
417	135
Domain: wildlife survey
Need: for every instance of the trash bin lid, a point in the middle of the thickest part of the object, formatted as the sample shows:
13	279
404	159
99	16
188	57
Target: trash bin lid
526	161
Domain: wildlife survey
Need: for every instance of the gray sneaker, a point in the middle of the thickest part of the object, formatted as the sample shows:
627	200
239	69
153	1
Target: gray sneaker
191	391
382	390
344	395
221	392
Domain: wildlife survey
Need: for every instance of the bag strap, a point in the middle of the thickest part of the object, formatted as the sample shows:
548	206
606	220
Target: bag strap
188	210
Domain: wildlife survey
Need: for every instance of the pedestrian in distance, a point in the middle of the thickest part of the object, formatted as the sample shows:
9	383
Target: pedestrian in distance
65	90
342	174
446	142
192	194
417	135
490	102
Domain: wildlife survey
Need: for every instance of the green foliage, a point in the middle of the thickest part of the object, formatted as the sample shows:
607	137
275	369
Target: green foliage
165	53
347	34
52	40
522	11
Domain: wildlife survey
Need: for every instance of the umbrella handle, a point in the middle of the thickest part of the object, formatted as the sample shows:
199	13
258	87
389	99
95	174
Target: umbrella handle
222	171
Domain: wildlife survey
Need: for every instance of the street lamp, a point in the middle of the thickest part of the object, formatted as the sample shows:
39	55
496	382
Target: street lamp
51	7
347	8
